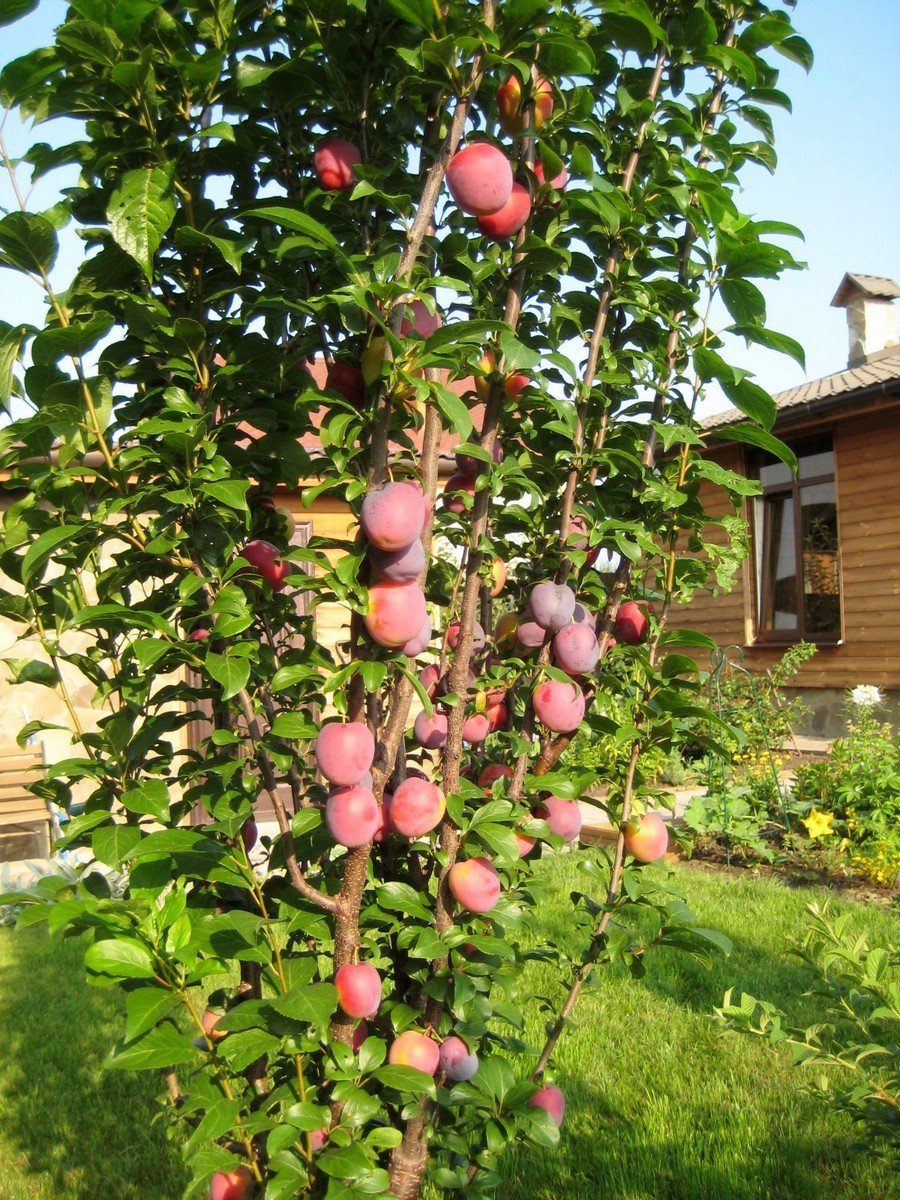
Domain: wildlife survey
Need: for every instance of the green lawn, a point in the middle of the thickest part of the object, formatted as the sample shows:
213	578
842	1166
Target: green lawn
661	1106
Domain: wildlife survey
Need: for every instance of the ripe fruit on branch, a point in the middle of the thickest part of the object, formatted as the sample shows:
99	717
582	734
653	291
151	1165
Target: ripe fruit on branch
476	728
456	1060
508	220
419	641
631	623
230	1185
419	321
359	989
267	561
210	1020
529	634
505	632
497	715
416	808
249	834
429	677
400	566
563	817
352	816
430	732
647	840
454	489
475	884
513	114
412	1049
392	516
575	649
551	1099
345	752
480	179
348	380
558	182
396	613
552	605
559	706
514	382
494	771
497	577
524	844
317	1139
473	467
333	162
454	632
200	634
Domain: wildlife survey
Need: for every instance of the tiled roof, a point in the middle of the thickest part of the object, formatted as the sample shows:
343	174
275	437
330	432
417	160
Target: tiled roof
881	369
879	287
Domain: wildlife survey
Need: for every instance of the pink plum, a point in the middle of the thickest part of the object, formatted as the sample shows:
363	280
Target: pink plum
420	321
396	613
475	884
344	752
508	220
352	816
563	817
333	162
552	605
478	637
419	642
457	1061
647	840
399	566
428	677
480	179
412	1049
559	706
230	1185
392	516
417	808
494	771
359	989
631	623
430	732
456	487
575	649
267	561
476	728
347	379
550	1098
558	182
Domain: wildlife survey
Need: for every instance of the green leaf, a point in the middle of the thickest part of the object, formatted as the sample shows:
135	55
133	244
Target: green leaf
149	798
27	243
10	349
12	10
771	340
229	671
752	435
293	726
73	340
162	1046
146	1007
313	1004
32	670
405	1079
114	843
455	410
118	958
299	221
417	12
140	211
400	897
345	1162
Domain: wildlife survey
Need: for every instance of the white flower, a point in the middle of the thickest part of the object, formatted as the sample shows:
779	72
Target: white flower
865	695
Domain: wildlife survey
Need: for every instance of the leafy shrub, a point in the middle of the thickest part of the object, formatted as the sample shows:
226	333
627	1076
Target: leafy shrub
860	1048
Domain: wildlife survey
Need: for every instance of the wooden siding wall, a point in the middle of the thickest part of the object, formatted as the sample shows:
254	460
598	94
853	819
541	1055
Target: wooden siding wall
867	454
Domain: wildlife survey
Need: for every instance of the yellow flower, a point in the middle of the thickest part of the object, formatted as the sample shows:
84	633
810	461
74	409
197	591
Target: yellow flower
818	824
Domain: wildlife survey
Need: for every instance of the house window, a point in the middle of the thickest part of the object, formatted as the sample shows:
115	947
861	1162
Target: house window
798	578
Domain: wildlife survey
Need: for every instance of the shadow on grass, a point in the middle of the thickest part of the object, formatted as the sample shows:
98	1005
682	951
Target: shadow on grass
606	1152
87	1131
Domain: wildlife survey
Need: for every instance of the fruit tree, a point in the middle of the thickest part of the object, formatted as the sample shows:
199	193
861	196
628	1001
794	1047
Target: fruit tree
325	246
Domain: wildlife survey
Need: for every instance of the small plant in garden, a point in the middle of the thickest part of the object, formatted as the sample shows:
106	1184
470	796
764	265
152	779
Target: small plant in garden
856	790
319	251
854	1058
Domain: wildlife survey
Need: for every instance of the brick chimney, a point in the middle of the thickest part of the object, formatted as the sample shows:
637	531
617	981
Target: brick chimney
871	315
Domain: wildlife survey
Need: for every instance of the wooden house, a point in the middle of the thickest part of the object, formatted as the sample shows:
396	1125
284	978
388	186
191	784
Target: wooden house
824	565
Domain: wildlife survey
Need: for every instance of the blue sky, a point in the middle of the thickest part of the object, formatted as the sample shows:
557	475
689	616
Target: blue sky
838	178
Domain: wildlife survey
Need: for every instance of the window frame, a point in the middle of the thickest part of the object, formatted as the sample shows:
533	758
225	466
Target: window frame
792	489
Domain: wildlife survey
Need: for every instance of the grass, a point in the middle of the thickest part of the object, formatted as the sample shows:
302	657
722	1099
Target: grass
661	1106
